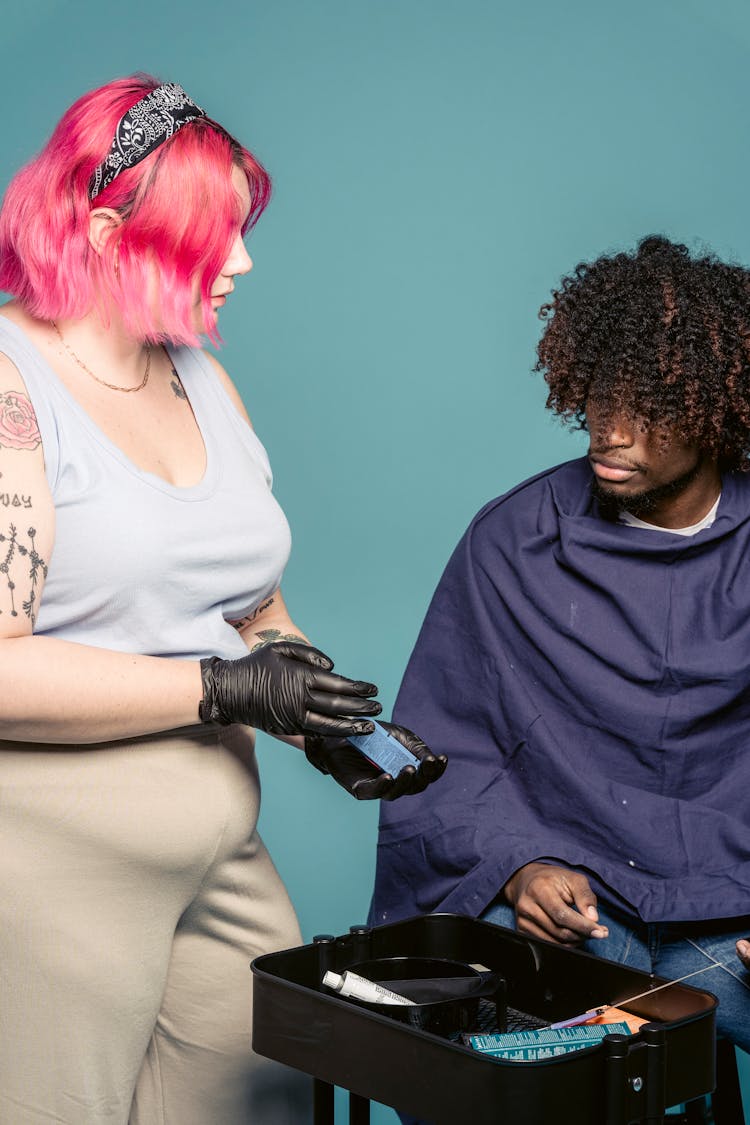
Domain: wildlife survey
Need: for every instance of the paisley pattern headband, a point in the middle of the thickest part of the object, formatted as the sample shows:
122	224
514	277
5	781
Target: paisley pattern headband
146	125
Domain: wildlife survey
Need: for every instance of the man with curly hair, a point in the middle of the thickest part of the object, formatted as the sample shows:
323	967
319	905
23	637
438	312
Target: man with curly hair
585	660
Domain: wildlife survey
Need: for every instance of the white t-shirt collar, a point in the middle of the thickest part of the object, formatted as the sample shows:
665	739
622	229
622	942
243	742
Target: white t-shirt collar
701	525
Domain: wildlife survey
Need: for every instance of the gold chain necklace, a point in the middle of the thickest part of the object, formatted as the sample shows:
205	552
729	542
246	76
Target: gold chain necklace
112	386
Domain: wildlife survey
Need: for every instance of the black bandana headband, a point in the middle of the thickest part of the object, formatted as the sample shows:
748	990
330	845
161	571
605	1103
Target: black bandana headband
146	125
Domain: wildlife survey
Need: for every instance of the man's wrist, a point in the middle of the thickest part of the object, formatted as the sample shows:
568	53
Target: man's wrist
509	888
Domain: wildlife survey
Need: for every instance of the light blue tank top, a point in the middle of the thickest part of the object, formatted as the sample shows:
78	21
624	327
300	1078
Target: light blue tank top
140	565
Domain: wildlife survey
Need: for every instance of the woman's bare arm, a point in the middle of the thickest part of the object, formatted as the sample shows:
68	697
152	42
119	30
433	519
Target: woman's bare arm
58	691
269	622
53	690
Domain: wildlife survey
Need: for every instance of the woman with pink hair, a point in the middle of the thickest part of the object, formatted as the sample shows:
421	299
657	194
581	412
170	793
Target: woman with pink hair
143	634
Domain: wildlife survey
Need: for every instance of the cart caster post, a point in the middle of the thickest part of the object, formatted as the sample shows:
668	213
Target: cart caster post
616	1050
324	1112
359	1110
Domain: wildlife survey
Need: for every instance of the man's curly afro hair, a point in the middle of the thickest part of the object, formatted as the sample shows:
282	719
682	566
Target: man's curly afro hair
657	335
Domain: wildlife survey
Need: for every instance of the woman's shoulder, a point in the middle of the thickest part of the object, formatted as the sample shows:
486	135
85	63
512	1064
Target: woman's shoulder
228	385
16	344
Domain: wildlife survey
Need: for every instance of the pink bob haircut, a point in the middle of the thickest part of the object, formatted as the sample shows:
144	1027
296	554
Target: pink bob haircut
180	215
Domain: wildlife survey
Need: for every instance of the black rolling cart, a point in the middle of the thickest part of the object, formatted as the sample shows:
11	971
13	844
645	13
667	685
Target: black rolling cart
624	1080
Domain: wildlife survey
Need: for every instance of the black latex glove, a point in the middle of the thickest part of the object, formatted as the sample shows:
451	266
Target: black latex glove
366	781
285	688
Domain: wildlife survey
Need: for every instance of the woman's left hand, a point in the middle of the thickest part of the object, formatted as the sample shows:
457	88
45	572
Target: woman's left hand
743	952
365	781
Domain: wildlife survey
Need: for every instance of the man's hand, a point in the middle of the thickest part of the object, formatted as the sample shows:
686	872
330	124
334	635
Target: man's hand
743	952
554	903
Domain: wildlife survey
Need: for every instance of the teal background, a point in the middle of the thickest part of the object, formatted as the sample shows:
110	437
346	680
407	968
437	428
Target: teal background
438	165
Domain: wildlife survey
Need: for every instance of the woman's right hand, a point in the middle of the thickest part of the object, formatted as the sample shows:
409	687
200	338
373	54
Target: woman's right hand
286	688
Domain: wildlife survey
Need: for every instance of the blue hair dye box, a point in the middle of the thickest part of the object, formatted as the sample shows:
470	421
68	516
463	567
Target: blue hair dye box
546	1043
383	750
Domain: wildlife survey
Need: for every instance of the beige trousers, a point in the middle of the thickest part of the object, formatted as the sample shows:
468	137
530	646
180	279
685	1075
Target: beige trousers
134	892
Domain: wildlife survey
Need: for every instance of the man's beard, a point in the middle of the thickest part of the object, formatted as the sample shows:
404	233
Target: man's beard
612	503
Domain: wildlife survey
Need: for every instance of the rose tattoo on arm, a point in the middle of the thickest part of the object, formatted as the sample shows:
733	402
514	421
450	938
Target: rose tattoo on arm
19	428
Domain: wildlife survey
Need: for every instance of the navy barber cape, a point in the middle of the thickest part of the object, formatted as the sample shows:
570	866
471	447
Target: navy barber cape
589	682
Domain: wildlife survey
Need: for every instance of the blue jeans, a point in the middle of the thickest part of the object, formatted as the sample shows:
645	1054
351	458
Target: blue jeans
671	950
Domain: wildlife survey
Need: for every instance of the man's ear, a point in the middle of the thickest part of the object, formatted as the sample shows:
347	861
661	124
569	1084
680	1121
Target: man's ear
103	221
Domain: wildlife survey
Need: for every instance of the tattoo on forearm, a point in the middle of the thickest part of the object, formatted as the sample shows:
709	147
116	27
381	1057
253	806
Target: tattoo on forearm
19	428
15	501
268	636
248	620
36	564
177	386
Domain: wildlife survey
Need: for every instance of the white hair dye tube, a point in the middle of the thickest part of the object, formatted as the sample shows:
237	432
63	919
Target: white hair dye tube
349	984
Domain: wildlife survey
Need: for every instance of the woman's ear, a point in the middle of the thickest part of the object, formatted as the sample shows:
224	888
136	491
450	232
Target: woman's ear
103	221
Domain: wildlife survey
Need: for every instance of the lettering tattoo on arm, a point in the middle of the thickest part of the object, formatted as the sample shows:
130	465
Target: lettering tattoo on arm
15	501
248	620
268	636
17	547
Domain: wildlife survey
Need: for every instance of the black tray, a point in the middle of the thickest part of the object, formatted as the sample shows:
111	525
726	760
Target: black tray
298	1022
